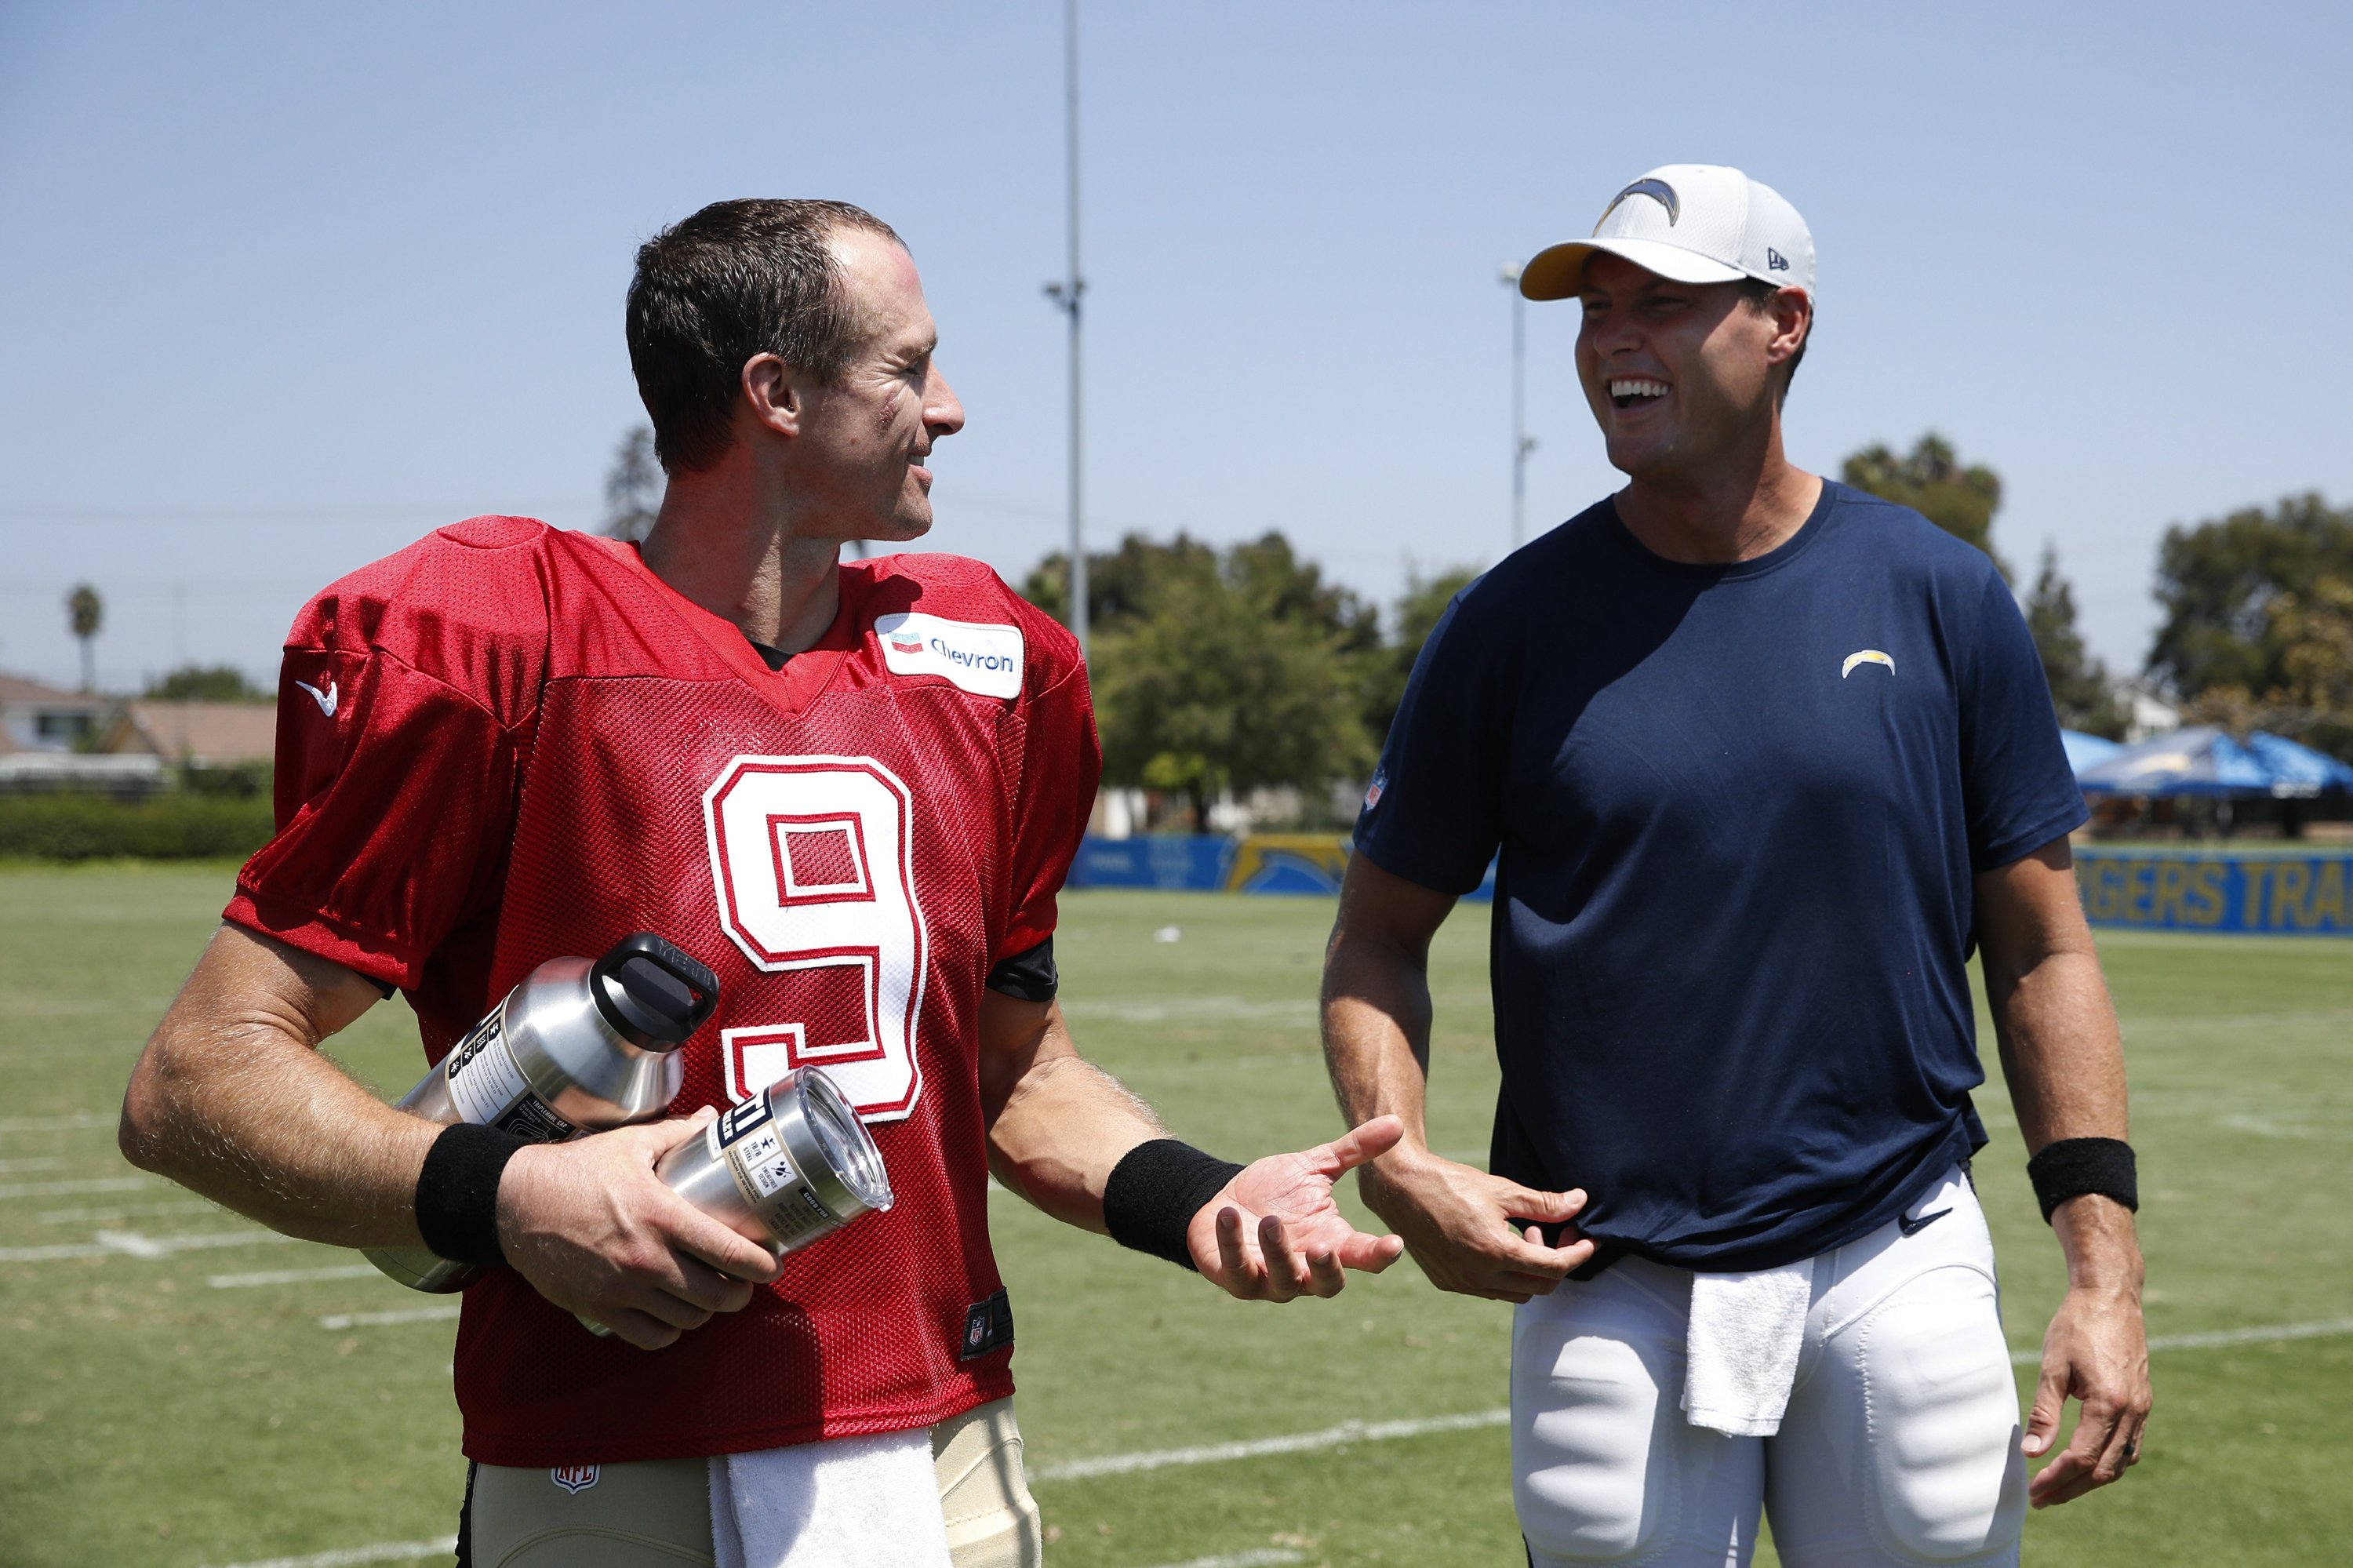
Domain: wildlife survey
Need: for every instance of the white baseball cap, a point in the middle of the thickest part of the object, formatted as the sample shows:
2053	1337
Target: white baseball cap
1695	223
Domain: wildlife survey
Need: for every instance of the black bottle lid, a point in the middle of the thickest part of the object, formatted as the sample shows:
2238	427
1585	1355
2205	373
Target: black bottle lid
653	994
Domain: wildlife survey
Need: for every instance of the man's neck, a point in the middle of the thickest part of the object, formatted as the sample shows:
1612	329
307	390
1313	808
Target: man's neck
1736	510
725	539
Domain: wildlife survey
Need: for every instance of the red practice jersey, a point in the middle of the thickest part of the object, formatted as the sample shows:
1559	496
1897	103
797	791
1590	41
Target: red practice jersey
508	743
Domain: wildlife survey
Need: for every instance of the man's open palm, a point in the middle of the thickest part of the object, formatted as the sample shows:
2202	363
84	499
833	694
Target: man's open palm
1274	1232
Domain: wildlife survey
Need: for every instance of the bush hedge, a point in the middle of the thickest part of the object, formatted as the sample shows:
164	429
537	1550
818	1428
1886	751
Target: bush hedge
174	827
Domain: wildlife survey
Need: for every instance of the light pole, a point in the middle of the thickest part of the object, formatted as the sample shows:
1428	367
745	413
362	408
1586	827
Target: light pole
1522	443
1065	295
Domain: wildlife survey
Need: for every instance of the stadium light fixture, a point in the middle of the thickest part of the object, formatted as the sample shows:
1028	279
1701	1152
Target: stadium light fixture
1065	295
1522	443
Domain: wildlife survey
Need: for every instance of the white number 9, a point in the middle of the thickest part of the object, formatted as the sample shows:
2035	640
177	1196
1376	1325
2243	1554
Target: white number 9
814	870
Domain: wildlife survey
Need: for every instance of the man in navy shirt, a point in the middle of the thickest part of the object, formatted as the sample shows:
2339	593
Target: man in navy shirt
1762	758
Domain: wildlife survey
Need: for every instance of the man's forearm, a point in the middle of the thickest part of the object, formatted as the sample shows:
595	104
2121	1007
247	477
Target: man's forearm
231	1100
1059	1124
1376	1014
2063	1057
2060	1049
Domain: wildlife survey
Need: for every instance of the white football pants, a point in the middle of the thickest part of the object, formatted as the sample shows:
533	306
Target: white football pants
1900	1444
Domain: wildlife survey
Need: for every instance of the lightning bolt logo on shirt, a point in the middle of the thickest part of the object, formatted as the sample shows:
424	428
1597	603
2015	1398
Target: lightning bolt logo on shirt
1866	656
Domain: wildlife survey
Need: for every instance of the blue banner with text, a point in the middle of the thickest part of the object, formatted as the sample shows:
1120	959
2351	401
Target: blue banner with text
2262	892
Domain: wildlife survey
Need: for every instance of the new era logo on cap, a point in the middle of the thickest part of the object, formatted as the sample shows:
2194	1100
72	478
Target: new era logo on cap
1695	223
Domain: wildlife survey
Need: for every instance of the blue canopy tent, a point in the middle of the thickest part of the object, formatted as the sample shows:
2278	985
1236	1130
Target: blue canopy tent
2200	761
2086	752
2298	770
2204	760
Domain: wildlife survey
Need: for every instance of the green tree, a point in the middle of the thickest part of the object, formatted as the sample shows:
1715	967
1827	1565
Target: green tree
2316	629
2080	687
2218	581
1213	672
1412	621
2312	631
85	613
206	684
1122	582
633	487
1930	480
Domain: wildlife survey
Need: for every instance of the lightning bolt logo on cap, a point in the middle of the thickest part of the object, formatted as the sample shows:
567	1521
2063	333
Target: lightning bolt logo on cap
1656	189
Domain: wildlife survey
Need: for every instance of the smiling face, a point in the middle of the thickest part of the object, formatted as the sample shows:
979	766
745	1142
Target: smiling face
1679	375
864	436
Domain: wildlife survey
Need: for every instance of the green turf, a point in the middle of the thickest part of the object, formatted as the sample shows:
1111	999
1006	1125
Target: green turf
148	1417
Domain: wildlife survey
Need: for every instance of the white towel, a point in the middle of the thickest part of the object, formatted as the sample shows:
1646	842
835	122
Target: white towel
851	1502
1742	1347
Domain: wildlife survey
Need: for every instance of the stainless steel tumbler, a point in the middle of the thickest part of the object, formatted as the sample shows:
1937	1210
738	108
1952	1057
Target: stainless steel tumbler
786	1167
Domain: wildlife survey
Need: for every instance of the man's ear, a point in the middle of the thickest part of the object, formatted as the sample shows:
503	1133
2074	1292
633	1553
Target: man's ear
1793	319
771	394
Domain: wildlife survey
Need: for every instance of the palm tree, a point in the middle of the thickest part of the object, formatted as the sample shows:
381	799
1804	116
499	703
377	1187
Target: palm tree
86	610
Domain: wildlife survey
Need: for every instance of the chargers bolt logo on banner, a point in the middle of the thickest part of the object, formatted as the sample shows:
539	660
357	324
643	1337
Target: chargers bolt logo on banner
983	659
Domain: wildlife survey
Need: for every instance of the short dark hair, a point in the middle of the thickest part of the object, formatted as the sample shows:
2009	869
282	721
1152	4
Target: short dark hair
737	279
1758	294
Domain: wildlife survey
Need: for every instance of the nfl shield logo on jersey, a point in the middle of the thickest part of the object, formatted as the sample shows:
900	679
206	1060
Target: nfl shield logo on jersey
574	1478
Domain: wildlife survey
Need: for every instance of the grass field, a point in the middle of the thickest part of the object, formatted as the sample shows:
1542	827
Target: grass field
172	1392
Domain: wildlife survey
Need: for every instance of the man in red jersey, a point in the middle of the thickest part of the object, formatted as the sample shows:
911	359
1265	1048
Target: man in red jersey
854	792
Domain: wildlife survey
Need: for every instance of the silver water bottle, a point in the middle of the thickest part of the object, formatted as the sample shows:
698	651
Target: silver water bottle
577	1047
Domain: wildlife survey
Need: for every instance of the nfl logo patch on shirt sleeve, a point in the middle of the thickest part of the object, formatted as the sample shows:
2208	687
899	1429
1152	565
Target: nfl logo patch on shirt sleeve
983	659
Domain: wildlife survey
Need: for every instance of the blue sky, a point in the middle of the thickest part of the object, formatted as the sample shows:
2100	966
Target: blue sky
285	287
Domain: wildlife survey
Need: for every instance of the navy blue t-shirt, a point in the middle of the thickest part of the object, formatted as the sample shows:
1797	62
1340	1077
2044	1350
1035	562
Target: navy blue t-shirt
1738	810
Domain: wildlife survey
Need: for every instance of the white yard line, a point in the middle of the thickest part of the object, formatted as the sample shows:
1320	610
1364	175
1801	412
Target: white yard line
1254	1447
64	1189
1264	1557
32	1163
72	1121
293	1275
87	1216
2214	1338
137	1245
338	1321
52	1252
133	1243
351	1556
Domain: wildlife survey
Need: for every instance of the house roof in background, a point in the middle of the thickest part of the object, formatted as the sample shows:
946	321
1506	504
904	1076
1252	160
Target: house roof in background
218	734
16	690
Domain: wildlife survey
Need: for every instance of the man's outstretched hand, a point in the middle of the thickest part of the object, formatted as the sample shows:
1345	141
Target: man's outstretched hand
1274	1232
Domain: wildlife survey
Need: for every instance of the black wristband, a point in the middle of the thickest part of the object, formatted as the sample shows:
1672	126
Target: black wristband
458	1192
1154	1193
2073	1167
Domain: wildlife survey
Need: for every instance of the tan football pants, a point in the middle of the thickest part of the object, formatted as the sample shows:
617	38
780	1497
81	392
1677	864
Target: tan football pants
656	1514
